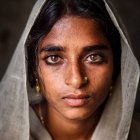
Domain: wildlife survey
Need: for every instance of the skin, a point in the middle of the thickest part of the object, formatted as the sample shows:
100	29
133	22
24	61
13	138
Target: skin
74	48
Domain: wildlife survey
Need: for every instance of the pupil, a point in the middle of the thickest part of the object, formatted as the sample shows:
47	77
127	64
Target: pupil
92	57
54	58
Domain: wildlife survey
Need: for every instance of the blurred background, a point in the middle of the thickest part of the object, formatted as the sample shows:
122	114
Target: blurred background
14	14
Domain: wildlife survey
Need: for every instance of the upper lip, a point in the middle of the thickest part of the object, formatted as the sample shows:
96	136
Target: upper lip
75	96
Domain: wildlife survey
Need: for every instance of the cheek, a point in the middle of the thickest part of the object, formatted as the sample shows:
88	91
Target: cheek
100	86
101	74
50	79
101	79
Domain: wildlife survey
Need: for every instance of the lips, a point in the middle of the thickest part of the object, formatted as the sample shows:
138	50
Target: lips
76	100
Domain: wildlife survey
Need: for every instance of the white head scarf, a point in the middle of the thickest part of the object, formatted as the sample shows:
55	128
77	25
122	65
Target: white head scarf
14	105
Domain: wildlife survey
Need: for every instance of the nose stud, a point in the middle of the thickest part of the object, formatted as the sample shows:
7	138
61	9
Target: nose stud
85	79
76	82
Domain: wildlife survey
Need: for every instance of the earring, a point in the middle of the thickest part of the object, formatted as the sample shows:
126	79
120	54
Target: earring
41	115
37	86
110	91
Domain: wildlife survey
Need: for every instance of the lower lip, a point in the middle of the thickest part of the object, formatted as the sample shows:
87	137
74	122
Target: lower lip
75	102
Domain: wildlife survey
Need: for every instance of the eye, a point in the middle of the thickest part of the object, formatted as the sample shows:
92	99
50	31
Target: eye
95	58
53	59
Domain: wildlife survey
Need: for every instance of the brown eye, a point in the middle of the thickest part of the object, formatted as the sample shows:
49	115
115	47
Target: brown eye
53	59
94	58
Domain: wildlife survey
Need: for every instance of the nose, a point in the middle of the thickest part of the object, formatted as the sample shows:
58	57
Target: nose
75	76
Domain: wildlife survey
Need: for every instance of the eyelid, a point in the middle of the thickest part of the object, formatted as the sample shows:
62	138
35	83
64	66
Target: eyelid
94	53
49	54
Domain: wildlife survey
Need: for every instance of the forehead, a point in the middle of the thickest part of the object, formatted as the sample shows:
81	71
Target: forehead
74	23
72	30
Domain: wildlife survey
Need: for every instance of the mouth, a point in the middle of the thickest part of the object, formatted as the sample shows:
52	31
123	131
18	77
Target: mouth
74	100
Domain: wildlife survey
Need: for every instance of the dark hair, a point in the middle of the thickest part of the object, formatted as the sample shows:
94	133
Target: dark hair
53	10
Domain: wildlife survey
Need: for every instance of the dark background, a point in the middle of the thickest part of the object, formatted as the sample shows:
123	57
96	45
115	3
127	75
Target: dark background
14	14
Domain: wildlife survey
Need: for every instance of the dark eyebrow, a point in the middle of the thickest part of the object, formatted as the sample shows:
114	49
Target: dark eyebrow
51	48
95	47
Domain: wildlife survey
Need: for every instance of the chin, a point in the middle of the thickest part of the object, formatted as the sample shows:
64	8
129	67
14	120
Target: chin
78	114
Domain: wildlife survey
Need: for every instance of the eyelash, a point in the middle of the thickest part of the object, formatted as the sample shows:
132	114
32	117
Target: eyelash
99	59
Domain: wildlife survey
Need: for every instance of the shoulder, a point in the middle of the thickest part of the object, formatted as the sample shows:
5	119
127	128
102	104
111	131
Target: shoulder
134	133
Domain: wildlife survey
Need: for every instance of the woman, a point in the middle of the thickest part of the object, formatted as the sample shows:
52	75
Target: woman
73	60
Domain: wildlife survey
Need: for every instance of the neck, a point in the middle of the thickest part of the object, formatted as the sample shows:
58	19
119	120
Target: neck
68	128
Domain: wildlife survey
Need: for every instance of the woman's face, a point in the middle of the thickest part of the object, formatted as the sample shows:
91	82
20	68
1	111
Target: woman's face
75	48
